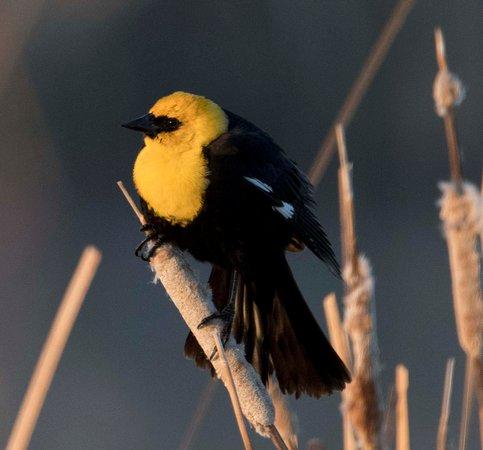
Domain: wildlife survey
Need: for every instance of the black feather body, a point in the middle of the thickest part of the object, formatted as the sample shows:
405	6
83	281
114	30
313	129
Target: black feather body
256	202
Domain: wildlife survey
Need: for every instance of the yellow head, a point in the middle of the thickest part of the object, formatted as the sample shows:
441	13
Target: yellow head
170	172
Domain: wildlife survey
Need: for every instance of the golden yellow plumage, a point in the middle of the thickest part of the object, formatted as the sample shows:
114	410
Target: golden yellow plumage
170	172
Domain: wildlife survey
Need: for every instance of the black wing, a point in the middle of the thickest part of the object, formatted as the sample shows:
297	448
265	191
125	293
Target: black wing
252	154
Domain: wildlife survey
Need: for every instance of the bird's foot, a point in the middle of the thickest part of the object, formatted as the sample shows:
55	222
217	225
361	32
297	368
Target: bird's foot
226	317
147	248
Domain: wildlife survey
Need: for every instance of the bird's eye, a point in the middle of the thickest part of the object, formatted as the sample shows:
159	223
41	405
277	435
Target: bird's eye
172	124
166	124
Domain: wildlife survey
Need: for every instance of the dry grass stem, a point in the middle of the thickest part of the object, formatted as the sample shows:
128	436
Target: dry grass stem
339	341
361	402
285	421
361	84
448	92
230	385
467	402
53	348
402	413
193	300
203	403
445	405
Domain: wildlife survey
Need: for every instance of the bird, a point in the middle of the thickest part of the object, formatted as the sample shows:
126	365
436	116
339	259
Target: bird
217	186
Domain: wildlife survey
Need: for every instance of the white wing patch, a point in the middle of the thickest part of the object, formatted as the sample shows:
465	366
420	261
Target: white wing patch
259	184
286	210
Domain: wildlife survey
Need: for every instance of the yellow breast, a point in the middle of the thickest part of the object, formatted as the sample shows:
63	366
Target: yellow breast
172	186
170	172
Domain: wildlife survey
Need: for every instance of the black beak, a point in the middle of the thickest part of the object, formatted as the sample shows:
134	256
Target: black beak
144	124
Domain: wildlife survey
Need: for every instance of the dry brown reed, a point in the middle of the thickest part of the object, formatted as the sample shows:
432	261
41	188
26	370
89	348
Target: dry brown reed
53	348
461	214
361	84
445	406
338	338
361	402
402	413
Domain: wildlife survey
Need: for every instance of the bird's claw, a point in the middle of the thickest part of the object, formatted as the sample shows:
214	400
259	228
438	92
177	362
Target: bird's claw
226	317
148	246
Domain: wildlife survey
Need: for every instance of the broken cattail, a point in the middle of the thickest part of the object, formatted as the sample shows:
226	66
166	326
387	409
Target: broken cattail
361	402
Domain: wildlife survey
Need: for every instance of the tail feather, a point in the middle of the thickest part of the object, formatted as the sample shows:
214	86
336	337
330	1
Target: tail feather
279	332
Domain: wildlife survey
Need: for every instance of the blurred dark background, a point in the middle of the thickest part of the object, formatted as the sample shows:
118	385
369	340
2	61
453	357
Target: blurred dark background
72	71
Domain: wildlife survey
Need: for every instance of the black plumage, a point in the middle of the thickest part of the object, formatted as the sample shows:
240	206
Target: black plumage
256	203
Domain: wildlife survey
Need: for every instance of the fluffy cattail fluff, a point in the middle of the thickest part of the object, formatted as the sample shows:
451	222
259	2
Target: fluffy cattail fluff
361	403
285	420
448	91
461	215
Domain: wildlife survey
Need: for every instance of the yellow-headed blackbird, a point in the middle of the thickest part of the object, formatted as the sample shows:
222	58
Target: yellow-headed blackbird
214	184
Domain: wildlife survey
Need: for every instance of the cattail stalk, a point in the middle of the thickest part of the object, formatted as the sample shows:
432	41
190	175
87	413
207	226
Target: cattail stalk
461	214
193	301
338	339
402	413
445	405
53	348
361	402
